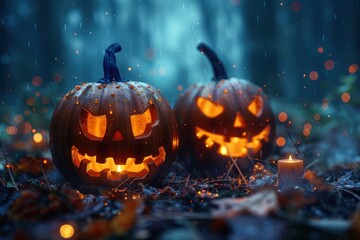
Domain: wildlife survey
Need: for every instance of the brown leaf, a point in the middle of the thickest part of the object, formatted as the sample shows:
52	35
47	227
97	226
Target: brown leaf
126	220
118	225
258	204
33	165
37	203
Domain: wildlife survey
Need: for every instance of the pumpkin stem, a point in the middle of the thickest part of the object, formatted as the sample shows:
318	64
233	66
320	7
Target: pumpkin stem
218	67
111	72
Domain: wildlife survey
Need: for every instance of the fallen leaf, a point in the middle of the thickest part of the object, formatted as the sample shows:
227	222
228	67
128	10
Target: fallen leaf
258	204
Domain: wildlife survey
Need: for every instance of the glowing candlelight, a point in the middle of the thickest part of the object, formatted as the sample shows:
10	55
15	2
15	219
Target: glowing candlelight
115	175
290	171
37	138
66	231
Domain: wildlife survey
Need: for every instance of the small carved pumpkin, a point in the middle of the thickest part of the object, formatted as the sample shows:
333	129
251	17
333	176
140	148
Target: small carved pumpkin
223	119
113	131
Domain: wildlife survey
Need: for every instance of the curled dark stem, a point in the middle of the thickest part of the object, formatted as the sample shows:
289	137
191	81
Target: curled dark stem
218	67
111	72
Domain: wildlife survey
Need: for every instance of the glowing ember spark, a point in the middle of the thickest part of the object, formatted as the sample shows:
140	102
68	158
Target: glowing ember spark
37	137
67	231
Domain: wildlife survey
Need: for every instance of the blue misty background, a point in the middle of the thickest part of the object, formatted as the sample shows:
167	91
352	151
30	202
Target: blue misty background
266	42
48	47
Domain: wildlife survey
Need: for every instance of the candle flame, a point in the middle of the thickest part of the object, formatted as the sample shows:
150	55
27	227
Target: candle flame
290	158
118	168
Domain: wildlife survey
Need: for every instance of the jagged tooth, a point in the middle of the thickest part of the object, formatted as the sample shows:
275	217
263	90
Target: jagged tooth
104	174
75	159
111	163
198	133
148	160
154	153
160	159
129	162
222	150
83	166
209	143
79	152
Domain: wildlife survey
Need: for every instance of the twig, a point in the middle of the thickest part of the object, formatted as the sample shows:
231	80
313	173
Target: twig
310	164
139	178
273	169
207	182
297	149
43	173
8	165
268	163
172	178
262	160
221	180
237	167
233	164
187	180
249	157
351	193
229	170
117	188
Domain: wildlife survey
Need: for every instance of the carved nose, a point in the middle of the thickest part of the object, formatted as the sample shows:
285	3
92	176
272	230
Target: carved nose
239	121
117	136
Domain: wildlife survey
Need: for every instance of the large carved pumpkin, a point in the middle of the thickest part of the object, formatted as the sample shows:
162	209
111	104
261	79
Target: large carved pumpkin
223	119
113	131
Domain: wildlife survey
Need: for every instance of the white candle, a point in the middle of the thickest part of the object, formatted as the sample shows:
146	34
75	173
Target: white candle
290	171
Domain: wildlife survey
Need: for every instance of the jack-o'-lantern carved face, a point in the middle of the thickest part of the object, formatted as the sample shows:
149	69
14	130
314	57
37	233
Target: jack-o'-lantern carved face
108	133
240	144
225	118
95	128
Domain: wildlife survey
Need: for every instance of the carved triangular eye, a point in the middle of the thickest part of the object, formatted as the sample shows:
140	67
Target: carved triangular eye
239	121
209	108
256	106
94	127
141	124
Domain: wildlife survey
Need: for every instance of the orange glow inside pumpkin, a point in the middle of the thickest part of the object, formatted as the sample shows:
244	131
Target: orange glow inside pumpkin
209	108
141	123
237	146
96	125
92	125
115	171
256	106
239	121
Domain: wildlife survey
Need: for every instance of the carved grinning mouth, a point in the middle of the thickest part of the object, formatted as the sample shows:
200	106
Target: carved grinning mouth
115	171
236	147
